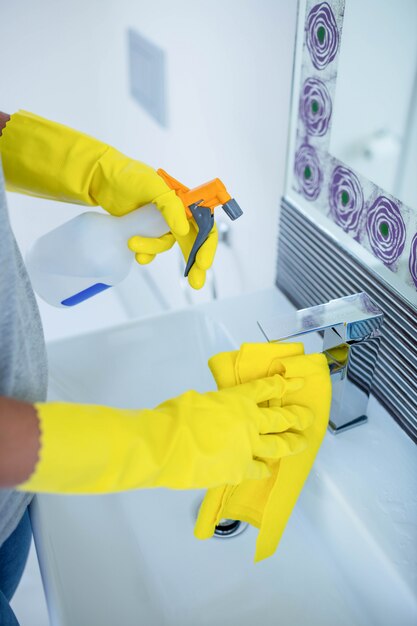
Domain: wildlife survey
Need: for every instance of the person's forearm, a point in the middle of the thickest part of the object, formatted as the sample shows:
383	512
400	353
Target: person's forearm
19	441
4	118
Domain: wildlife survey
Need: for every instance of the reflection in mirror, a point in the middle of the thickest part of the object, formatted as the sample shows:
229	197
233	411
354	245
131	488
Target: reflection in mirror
374	128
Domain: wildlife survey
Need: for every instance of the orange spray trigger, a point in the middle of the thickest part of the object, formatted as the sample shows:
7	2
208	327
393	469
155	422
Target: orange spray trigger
200	203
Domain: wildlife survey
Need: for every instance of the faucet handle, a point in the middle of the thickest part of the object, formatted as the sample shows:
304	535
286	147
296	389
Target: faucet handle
351	318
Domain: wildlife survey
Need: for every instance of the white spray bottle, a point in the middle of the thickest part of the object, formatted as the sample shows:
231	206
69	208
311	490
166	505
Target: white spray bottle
88	254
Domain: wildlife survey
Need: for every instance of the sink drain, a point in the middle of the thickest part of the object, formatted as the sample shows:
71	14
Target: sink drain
229	528
226	527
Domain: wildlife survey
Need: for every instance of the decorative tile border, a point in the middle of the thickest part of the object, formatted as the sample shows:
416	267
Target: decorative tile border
376	220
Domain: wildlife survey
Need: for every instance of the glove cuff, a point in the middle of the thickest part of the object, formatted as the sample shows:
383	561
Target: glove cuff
48	160
83	449
89	449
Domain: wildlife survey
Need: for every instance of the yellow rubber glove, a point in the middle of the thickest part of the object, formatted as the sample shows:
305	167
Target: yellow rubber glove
146	248
192	441
49	160
267	504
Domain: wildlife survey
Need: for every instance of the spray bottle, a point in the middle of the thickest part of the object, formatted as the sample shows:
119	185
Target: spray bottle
89	253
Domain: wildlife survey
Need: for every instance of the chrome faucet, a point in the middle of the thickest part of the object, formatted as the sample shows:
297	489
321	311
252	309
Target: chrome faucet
351	328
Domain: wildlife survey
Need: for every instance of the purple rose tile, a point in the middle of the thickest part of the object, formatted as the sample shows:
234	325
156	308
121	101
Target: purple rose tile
322	35
308	171
315	106
346	199
386	229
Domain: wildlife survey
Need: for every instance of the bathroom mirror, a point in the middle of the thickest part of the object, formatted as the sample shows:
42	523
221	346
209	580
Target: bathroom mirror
353	142
374	128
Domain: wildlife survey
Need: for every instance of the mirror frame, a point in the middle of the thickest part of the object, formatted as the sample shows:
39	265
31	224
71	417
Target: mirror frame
372	224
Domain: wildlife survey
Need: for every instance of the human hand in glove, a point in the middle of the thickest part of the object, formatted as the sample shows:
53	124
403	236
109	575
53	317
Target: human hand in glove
146	248
196	440
49	160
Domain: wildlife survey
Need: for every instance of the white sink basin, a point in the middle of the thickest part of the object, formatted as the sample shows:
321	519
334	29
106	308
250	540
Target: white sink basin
132	558
137	364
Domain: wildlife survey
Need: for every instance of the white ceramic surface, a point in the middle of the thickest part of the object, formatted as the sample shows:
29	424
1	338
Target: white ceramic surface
348	555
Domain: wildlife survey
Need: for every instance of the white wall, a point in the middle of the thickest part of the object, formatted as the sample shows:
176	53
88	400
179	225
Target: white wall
229	79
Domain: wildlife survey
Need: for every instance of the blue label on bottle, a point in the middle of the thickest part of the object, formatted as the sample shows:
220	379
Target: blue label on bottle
85	294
